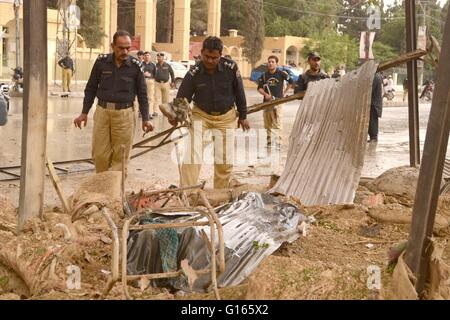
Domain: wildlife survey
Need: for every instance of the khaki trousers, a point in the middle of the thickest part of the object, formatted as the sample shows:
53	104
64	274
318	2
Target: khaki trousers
112	128
162	92
223	151
273	125
150	95
66	79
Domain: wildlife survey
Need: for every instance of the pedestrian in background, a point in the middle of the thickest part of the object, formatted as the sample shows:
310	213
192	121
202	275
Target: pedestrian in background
66	64
314	73
271	85
376	107
149	74
164	79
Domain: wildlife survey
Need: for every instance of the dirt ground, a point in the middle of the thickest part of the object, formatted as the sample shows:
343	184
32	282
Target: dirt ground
330	261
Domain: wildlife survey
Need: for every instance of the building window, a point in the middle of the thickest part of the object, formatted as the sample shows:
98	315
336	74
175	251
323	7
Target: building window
5	47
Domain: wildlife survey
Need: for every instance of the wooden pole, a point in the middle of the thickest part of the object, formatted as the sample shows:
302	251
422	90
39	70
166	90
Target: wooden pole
34	130
428	185
413	97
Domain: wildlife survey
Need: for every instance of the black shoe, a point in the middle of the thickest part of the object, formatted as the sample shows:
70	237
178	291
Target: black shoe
155	114
373	140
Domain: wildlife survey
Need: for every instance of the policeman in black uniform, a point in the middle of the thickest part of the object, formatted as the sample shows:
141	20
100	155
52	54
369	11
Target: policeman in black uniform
164	79
149	74
314	73
271	85
115	80
215	86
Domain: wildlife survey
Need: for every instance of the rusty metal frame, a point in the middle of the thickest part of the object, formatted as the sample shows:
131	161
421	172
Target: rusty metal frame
428	185
140	145
213	222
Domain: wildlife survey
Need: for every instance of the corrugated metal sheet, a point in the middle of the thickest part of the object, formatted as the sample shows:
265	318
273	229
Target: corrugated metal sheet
446	171
328	140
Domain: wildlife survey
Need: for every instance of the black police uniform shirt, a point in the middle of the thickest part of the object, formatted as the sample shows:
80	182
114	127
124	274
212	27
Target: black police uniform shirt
307	77
275	82
163	72
150	68
66	63
217	92
110	83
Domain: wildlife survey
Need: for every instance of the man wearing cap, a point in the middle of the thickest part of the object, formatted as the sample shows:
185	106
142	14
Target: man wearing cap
149	74
164	79
215	86
115	80
314	73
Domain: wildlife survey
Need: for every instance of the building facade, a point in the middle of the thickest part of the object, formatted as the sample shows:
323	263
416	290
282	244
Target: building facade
183	46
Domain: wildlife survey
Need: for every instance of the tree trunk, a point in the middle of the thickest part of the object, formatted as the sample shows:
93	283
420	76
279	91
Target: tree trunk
169	22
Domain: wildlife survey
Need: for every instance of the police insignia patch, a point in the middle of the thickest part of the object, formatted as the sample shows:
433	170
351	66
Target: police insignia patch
194	70
138	63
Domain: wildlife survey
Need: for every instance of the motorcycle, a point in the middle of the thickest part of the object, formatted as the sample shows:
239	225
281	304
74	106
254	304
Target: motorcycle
4	108
17	80
4	94
389	94
427	93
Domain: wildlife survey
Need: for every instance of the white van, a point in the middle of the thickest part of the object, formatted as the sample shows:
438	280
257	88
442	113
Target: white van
179	71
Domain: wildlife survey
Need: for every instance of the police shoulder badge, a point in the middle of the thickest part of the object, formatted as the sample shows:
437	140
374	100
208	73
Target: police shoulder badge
138	63
102	56
194	69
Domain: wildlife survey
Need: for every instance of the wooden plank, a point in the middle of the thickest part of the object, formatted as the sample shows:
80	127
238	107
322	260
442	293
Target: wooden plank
34	129
404	58
57	184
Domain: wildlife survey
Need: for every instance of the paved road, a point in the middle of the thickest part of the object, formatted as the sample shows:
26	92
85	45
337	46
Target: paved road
65	142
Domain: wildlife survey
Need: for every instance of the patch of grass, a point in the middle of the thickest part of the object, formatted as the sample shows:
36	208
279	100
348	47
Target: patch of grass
257	245
308	274
328	225
4	281
354	290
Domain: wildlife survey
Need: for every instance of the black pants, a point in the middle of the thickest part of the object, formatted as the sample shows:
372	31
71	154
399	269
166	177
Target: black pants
373	123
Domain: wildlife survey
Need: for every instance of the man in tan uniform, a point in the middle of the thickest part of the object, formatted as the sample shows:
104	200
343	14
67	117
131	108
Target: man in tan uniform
215	85
115	80
149	74
271	85
66	64
164	79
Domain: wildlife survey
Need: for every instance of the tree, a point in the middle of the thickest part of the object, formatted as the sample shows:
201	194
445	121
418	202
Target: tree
199	16
393	29
335	49
254	31
232	16
164	20
278	27
90	28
